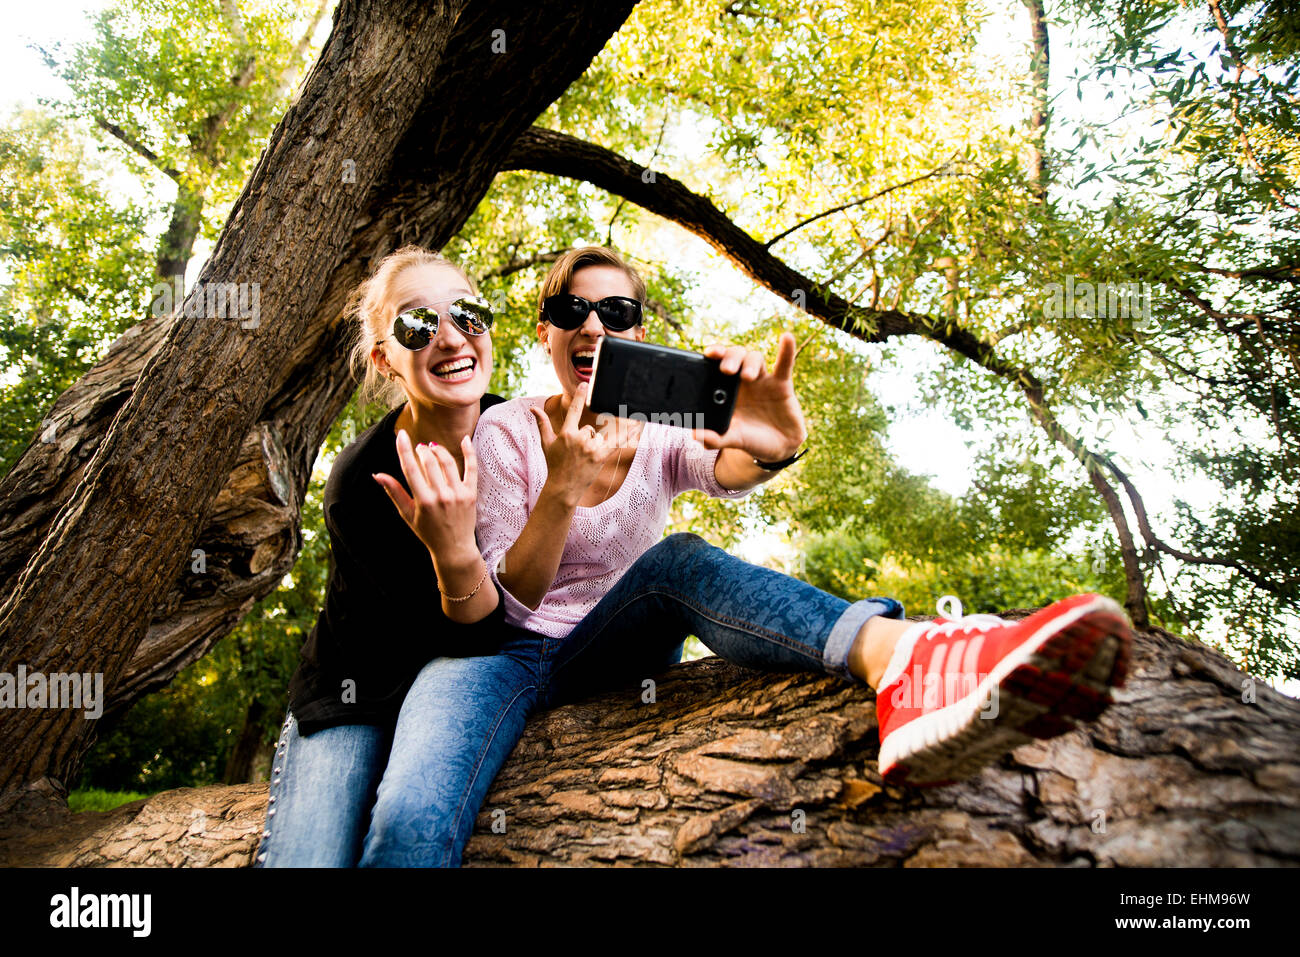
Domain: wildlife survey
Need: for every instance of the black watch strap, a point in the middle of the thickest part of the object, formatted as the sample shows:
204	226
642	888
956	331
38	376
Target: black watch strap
777	466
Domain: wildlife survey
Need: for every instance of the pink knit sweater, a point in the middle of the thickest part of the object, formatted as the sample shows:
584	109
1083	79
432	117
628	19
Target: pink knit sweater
604	540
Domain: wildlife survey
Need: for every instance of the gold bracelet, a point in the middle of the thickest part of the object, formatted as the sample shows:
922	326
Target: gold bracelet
481	579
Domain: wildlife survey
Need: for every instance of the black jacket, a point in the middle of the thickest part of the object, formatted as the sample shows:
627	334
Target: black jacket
382	620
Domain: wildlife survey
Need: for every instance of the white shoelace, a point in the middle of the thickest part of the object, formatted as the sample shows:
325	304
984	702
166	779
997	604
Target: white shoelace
949	608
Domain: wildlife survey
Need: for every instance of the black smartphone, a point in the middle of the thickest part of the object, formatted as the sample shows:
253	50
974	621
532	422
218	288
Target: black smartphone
660	384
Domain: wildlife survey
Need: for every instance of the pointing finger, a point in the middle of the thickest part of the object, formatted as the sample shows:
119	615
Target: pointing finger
574	415
783	368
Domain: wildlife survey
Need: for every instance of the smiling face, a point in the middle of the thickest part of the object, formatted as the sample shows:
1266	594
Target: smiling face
572	349
454	368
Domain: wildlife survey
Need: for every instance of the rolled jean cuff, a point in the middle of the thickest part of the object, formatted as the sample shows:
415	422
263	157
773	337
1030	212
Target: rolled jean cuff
840	641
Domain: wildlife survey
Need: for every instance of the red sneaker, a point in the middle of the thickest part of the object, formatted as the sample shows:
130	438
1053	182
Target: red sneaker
960	692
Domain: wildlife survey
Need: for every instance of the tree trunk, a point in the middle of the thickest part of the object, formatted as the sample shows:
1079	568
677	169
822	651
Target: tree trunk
177	244
239	766
1040	72
205	402
1195	764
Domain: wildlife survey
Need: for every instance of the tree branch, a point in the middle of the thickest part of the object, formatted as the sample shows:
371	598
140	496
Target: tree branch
559	154
944	170
1283	272
1038	117
516	264
1248	148
153	158
1144	526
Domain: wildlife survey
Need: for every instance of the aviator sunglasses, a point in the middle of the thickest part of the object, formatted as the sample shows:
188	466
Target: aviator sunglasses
416	328
616	313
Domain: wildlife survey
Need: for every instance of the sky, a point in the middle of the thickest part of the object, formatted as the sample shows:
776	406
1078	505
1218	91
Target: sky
23	76
924	439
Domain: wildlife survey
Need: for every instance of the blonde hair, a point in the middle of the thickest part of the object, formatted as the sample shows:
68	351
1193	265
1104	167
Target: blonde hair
561	274
371	305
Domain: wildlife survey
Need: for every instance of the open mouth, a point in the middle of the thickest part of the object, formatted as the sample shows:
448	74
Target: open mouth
582	360
456	370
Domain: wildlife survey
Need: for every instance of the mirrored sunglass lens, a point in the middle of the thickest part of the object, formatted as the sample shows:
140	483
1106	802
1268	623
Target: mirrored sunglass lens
472	315
412	330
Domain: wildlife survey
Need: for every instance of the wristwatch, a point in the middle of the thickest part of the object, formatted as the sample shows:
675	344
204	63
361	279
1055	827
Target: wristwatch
777	466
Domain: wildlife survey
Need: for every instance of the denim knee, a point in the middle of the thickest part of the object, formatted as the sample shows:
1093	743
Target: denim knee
676	549
404	829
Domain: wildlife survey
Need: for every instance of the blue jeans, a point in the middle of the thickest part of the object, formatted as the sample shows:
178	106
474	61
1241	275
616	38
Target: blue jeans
463	716
322	788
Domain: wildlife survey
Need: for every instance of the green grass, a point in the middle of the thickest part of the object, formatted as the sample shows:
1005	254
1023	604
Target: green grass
95	799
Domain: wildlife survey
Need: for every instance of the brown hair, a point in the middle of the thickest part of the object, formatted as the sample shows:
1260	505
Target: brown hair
372	307
561	274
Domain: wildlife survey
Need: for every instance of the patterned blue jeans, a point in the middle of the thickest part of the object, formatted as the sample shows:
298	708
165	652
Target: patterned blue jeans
354	797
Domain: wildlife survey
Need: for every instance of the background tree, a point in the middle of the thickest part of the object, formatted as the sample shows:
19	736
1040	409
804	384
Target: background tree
191	91
73	284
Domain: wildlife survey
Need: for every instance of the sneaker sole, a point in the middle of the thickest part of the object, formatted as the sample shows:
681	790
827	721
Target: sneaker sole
1055	680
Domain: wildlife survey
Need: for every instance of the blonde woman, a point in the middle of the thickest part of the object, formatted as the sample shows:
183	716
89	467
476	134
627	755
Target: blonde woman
407	584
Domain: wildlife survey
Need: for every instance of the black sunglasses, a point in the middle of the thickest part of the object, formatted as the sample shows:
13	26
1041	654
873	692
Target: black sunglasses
616	313
416	327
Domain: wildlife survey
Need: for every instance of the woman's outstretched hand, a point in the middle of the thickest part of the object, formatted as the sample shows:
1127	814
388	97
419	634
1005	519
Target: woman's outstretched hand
767	422
440	507
574	455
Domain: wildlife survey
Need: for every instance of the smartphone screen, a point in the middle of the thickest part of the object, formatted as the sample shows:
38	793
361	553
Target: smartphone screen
660	384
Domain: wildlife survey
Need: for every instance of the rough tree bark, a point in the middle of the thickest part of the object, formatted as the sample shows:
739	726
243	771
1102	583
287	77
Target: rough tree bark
1194	765
144	493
